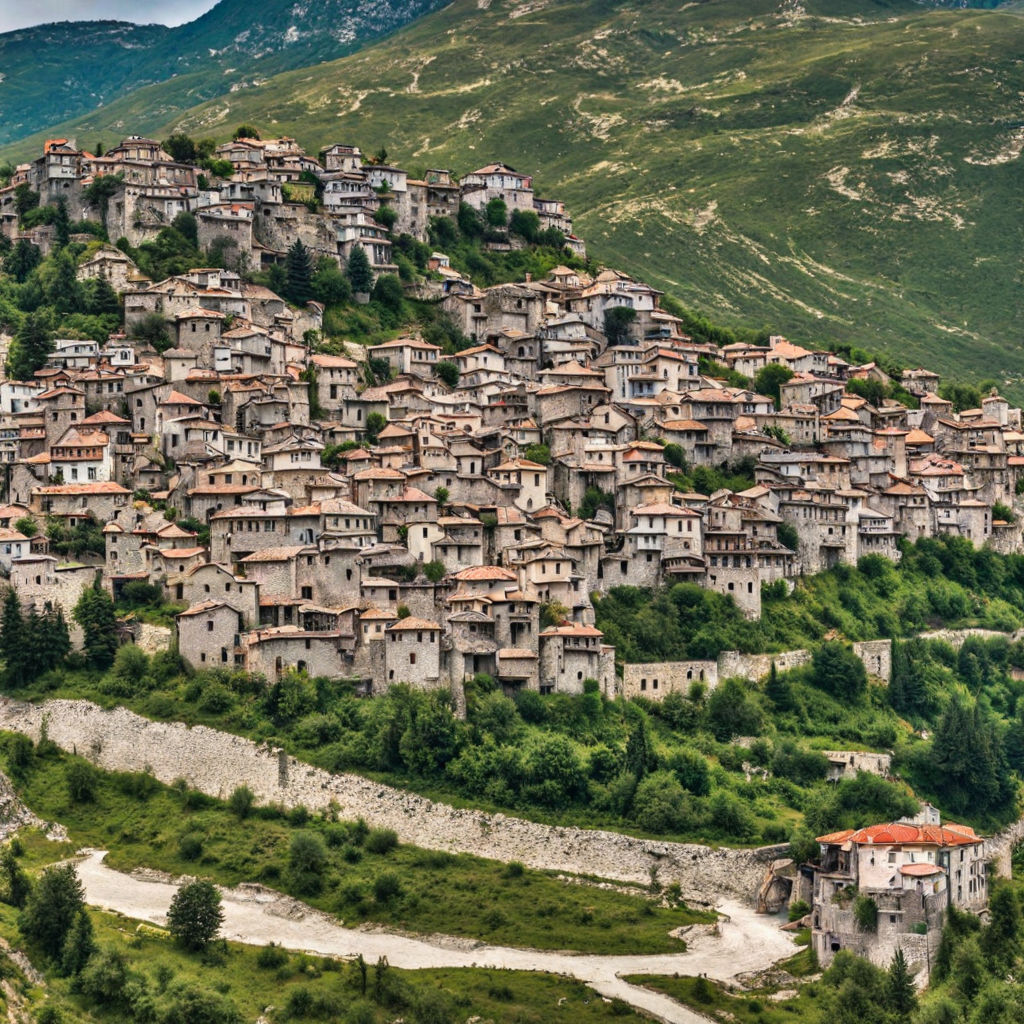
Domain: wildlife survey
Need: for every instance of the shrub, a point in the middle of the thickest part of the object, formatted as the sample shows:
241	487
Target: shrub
387	886
307	860
381	840
865	913
190	847
81	779
271	957
798	909
241	802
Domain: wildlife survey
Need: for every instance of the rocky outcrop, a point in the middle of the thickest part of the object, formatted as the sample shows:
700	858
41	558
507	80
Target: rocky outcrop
777	886
216	762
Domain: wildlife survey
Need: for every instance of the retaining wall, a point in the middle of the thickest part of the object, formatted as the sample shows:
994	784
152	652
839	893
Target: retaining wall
216	762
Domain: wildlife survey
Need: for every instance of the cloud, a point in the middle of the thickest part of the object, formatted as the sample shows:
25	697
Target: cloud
169	12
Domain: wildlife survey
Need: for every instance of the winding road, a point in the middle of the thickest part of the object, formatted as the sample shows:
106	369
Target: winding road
254	915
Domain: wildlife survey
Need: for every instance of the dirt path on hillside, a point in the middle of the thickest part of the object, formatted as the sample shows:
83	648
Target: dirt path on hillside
255	915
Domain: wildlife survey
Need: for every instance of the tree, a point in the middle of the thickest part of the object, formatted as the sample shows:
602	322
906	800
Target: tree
64	292
375	423
525	224
389	294
769	379
13	645
16	883
246	131
100	299
837	670
25	199
30	348
181	147
61	224
95	614
330	285
447	372
52	909
195	914
640	756
81	779
618	324
732	712
79	945
901	995
298	287
307	860
497	213
358	271
22	260
152	328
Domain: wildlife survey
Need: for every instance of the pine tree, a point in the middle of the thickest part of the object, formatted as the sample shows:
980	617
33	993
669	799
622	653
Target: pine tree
30	348
52	909
64	292
359	271
16	883
79	945
901	996
640	757
14	648
61	224
101	299
298	287
95	614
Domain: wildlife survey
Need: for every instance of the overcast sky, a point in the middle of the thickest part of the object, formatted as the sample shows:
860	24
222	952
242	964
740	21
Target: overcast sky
15	14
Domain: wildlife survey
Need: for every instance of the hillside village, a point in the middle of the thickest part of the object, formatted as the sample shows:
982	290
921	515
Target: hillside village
468	524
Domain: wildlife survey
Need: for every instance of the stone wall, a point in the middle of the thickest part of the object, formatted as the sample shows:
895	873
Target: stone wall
676	676
956	637
752	667
217	762
877	657
152	639
655	679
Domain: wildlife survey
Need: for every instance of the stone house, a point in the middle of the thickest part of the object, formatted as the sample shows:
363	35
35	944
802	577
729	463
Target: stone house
412	653
209	634
912	871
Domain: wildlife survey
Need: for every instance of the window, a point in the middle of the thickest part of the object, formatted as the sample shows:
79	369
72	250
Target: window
209	625
307	593
412	658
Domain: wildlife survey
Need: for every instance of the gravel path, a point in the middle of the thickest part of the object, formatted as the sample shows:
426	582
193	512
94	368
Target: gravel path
255	915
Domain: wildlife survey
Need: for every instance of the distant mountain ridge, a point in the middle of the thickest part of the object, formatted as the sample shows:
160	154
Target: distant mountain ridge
52	73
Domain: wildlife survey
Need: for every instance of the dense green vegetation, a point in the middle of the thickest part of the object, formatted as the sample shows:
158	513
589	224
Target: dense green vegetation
944	581
137	974
345	868
818	172
679	767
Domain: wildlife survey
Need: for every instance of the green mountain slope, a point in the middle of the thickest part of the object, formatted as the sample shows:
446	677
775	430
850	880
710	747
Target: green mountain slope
837	169
58	71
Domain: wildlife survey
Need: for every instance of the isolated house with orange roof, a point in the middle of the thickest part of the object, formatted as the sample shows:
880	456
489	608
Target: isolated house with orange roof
890	886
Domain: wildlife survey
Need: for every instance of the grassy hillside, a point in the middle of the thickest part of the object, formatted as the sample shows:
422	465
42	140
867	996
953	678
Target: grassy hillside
844	170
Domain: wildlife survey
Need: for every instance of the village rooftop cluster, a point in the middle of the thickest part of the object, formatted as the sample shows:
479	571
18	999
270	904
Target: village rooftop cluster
316	569
435	548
